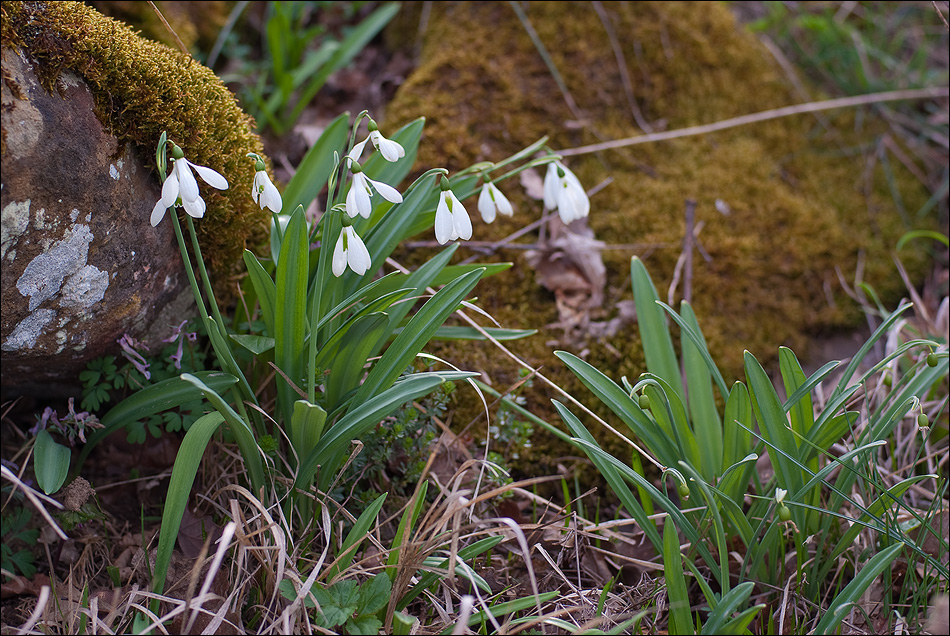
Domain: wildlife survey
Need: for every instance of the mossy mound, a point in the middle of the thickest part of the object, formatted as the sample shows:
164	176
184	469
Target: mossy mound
197	24
142	88
805	203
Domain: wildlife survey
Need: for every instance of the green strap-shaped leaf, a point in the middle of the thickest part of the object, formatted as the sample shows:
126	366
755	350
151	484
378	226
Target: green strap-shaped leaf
290	313
703	413
333	446
161	396
654	332
681	618
842	603
416	334
316	165
355	537
264	288
179	489
346	368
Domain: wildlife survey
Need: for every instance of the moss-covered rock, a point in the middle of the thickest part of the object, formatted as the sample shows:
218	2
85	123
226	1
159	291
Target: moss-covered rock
805	203
142	88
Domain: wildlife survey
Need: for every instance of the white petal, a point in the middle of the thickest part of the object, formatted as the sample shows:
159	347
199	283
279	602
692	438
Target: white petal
338	264
351	206
551	182
271	198
361	194
256	187
501	201
170	190
580	202
357	150
212	178
194	208
187	186
388	192
357	256
158	213
444	226
463	224
485	205
389	149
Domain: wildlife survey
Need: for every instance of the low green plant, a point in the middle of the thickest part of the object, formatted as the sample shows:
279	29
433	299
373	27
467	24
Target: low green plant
299	61
824	473
318	335
18	559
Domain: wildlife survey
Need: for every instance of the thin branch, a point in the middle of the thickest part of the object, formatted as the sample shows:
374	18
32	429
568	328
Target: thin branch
765	115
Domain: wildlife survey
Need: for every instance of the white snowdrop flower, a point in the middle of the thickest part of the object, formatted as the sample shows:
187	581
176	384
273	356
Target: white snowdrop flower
350	250
358	198
181	188
265	193
780	495
451	219
564	193
492	201
390	150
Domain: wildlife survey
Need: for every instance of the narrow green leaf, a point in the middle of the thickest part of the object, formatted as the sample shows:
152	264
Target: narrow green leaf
842	603
250	451
470	333
290	313
257	345
353	540
161	396
465	555
737	441
264	288
416	334
498	610
334	444
775	428
315	167
50	462
654	331
346	368
681	621
179	489
308	422
406	524
702	405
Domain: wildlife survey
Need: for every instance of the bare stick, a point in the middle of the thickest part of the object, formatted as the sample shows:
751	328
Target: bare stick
765	115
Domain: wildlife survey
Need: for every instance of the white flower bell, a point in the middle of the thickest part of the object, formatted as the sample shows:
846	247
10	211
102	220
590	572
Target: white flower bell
265	193
358	198
492	201
451	219
181	188
350	250
390	150
564	193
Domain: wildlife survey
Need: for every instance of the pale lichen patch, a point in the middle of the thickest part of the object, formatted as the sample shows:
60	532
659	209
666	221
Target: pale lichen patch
43	277
14	221
25	334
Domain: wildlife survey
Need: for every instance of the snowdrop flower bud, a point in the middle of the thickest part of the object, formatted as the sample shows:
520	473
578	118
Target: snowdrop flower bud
350	250
564	193
265	193
358	198
491	200
780	494
389	149
451	219
181	188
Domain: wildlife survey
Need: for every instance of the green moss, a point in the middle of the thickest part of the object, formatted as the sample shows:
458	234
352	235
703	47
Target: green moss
142	88
805	203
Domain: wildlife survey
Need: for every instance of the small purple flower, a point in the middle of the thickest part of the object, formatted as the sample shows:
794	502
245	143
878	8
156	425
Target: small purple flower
128	344
180	336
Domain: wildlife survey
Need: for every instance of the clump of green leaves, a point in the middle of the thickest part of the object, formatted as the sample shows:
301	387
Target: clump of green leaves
14	558
347	603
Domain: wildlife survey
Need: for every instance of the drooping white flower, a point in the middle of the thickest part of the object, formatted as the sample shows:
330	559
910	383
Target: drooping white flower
181	188
350	250
358	198
492	201
265	193
564	193
390	150
780	494
451	219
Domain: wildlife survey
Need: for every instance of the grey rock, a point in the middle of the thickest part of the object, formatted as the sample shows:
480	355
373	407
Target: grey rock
81	264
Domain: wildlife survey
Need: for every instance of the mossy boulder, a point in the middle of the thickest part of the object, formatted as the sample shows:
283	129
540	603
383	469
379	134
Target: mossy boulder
789	208
142	88
85	101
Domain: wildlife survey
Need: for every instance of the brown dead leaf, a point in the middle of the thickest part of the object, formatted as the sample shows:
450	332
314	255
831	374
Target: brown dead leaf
570	265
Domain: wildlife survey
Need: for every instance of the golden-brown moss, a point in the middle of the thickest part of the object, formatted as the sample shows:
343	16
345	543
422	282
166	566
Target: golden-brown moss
805	203
142	88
